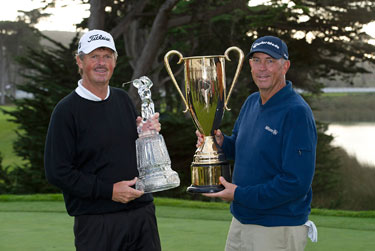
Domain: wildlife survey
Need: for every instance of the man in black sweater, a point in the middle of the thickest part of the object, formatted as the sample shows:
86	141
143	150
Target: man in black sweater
90	155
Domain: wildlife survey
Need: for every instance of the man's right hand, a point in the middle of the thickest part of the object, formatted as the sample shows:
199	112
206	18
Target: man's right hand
123	192
219	137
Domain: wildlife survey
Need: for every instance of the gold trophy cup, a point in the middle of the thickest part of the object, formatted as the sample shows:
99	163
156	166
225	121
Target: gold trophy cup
206	99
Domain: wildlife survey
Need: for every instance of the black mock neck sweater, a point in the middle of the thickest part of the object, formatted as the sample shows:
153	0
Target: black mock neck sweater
90	146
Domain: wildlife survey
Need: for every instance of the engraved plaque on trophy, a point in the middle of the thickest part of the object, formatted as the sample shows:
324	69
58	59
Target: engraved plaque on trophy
206	99
153	162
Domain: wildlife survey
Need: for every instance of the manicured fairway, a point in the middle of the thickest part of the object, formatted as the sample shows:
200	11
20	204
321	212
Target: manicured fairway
44	225
35	231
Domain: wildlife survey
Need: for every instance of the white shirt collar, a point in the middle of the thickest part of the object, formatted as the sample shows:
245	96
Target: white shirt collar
86	94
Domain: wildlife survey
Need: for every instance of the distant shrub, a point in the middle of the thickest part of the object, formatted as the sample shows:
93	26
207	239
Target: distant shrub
355	189
356	107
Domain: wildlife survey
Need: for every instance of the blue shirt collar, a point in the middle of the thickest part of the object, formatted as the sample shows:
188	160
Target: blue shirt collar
281	95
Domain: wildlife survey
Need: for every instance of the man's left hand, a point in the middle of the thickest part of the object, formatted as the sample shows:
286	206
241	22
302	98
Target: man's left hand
151	124
227	194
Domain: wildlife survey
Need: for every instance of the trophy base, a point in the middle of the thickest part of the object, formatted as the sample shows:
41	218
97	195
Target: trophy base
154	165
205	189
158	182
205	177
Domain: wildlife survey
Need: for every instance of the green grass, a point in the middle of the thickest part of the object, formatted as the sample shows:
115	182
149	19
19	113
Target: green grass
7	136
37	222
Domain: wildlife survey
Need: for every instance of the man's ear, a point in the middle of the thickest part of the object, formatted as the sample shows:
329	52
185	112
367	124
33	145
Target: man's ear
286	66
78	61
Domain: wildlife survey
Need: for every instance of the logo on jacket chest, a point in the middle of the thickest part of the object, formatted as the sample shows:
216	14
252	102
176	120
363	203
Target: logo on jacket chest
273	131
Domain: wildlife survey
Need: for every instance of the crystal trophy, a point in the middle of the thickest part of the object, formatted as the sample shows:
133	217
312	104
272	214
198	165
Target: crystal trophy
153	162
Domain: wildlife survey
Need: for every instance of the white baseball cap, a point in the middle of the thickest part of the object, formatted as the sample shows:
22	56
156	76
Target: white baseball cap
95	39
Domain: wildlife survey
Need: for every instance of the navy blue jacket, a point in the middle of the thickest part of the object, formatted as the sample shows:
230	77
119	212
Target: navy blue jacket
274	148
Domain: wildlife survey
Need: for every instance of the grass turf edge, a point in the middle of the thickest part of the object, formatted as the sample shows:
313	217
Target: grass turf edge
161	201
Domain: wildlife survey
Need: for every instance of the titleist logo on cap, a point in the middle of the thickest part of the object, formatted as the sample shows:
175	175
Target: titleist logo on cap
98	37
95	39
265	42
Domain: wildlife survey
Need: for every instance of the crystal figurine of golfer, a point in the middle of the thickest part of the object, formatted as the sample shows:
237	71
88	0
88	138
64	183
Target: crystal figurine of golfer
153	162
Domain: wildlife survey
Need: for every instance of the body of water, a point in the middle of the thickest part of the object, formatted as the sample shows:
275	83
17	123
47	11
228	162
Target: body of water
358	139
348	89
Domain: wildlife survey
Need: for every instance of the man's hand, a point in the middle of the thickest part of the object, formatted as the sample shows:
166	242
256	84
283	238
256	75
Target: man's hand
123	192
219	138
200	138
151	124
227	194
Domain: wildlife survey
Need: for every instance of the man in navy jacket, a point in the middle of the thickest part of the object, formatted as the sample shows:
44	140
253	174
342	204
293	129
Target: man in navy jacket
273	143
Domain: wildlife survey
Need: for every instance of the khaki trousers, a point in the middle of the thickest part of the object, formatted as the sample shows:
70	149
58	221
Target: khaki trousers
249	237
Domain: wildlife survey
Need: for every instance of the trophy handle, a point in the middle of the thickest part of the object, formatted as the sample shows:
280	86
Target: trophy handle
239	66
169	70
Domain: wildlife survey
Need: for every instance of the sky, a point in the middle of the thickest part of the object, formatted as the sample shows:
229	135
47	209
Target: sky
64	18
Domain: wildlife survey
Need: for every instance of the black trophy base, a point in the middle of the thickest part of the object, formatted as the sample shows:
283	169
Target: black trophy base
205	177
205	189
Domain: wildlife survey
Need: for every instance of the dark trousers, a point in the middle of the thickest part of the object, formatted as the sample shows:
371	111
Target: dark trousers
121	231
